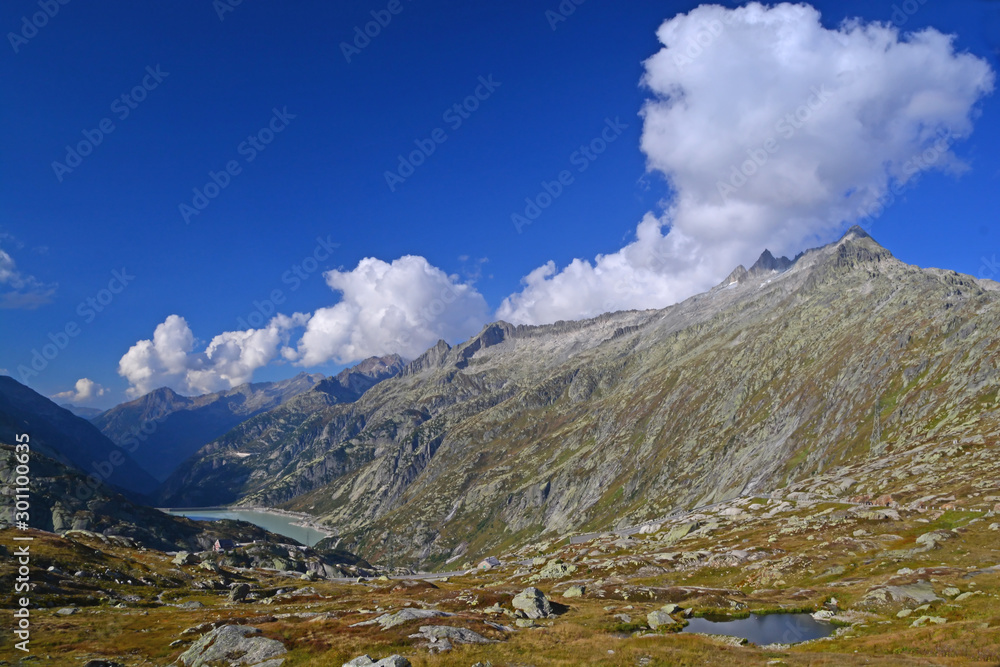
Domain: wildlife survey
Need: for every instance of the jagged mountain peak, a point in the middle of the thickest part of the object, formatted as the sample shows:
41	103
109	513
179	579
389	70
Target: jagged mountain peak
768	263
351	382
432	358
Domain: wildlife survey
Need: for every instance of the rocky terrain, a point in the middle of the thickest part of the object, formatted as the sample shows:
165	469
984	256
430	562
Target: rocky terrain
790	370
913	581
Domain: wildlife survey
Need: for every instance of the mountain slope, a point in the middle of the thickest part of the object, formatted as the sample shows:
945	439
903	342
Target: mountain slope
86	413
163	428
58	433
777	374
291	421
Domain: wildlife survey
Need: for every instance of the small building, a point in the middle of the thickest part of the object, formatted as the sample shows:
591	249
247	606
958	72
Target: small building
224	545
489	563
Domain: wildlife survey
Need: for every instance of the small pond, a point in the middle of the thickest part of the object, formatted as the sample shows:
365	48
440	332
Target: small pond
765	629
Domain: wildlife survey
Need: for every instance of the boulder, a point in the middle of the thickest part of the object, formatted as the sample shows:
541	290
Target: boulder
457	635
657	618
968	594
239	592
678	532
574	591
392	620
924	620
533	603
184	558
920	592
935	537
234	645
556	569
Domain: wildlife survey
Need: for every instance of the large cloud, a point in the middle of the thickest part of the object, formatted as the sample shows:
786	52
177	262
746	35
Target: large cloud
772	131
402	307
19	289
229	359
84	391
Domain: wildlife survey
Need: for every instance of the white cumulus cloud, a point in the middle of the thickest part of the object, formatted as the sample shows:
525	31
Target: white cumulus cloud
404	307
400	307
84	391
170	359
772	131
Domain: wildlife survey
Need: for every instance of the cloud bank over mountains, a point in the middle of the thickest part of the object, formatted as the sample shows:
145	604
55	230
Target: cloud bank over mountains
405	306
771	130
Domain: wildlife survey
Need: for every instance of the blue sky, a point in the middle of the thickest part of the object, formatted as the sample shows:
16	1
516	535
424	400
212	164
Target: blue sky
207	83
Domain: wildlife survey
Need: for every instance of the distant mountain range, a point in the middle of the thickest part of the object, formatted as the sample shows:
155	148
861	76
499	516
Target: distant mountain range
165	428
785	370
293	420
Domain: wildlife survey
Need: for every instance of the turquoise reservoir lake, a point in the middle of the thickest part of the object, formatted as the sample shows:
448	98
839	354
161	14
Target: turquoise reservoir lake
276	523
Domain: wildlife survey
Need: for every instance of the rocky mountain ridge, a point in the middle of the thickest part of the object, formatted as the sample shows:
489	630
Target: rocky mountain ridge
525	432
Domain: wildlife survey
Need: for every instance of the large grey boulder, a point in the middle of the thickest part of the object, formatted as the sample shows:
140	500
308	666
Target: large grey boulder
657	618
457	635
533	603
935	537
234	645
402	616
238	592
184	558
392	620
556	569
920	592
